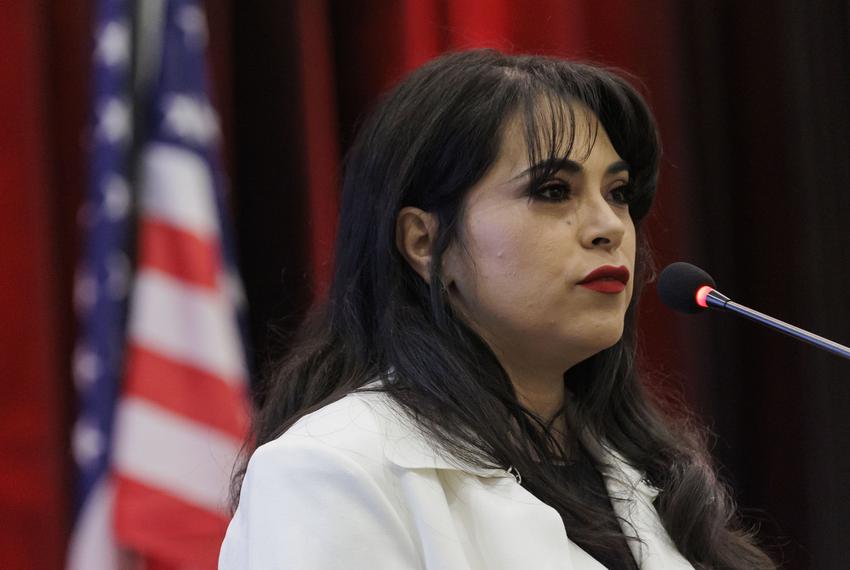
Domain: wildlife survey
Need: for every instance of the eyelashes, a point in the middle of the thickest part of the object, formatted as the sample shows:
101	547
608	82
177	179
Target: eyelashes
557	190
624	194
553	191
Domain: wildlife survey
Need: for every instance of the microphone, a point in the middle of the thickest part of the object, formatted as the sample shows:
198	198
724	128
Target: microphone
688	289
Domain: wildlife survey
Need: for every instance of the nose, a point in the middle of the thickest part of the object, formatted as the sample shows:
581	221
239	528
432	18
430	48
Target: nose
602	225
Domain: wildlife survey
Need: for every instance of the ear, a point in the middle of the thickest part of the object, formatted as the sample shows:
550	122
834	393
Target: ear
415	233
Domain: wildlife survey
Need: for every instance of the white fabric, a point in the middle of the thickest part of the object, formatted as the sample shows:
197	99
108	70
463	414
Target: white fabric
355	486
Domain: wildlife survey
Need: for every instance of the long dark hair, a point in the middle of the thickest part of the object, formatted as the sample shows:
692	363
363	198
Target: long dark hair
428	141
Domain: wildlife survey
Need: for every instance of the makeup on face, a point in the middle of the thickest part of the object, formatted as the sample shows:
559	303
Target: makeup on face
607	279
544	269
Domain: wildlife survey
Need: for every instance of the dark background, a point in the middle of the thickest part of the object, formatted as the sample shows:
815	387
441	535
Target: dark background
753	101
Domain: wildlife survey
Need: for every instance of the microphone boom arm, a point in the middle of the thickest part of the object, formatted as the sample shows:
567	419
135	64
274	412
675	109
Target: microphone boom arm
717	300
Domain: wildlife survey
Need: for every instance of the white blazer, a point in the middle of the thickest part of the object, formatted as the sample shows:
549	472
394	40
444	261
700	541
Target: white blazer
355	486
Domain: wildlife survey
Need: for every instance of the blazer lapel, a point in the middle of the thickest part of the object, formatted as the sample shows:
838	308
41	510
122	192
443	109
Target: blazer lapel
524	531
510	527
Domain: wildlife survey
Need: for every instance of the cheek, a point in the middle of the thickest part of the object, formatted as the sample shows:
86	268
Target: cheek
503	247
515	263
496	247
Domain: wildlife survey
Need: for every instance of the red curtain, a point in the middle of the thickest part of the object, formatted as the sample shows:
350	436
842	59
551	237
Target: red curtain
376	46
292	80
343	55
33	492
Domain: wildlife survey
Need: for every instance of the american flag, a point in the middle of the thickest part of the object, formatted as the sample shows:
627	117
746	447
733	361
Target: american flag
181	412
101	288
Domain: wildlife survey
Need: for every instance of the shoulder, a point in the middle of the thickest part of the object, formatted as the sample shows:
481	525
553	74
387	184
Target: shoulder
363	428
356	420
319	496
342	444
368	429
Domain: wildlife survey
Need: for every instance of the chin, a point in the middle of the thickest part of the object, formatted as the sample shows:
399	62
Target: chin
606	339
582	348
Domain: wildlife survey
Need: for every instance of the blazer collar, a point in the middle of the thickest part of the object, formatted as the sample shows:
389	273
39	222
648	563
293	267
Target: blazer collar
631	494
406	446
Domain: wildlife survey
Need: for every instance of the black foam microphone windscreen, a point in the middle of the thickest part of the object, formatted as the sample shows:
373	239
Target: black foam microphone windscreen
678	285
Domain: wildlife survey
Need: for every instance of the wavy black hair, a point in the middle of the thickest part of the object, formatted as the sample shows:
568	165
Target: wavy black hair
425	145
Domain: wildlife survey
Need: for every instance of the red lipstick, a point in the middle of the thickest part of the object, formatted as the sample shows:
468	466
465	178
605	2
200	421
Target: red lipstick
606	279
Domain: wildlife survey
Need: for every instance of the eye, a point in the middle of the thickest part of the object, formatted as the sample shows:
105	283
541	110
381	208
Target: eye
552	191
622	194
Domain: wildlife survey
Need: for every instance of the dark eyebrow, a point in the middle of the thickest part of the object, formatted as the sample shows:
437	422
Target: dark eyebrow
617	167
571	166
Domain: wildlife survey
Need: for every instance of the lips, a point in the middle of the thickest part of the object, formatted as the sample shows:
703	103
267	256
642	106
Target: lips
606	279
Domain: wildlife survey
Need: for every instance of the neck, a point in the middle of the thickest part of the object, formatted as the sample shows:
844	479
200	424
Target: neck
541	391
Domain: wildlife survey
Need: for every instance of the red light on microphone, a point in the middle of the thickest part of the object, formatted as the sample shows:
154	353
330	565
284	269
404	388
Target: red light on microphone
702	293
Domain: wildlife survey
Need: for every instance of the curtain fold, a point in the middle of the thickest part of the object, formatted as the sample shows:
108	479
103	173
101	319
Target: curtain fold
752	107
319	135
33	490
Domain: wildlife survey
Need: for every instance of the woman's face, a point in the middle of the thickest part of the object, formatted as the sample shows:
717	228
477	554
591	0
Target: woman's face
516	274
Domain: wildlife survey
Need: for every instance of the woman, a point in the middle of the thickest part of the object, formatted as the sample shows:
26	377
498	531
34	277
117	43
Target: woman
468	397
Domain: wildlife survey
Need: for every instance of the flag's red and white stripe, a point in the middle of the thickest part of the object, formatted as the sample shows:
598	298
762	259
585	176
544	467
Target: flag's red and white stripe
183	414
